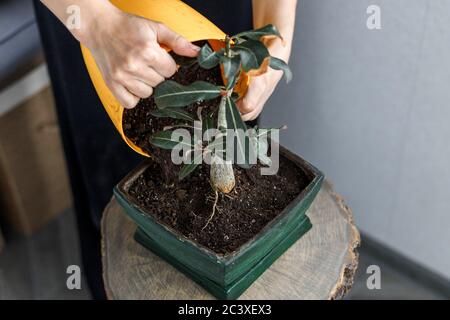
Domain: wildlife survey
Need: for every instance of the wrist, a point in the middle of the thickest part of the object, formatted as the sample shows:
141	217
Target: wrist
278	48
93	16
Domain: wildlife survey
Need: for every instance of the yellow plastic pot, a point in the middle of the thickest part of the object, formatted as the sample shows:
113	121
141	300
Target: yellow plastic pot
178	16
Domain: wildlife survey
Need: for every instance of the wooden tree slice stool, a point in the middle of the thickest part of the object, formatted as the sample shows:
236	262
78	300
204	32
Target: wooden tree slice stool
321	265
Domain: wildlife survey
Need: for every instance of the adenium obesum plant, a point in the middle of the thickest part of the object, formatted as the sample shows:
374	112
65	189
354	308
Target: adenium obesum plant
244	52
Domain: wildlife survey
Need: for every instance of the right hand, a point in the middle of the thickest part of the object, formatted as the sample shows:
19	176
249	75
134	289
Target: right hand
127	51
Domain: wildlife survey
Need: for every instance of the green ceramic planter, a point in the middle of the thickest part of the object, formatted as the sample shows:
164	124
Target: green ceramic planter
225	276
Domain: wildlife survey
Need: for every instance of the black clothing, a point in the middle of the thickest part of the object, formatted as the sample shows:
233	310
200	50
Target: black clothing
96	155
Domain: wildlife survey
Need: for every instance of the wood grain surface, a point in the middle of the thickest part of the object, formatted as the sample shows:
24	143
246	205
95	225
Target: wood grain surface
321	265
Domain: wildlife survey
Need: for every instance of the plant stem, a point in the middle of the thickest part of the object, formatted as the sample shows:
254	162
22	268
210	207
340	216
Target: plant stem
221	172
216	198
227	46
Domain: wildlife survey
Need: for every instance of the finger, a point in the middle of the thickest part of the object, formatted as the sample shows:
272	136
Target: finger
252	103
158	59
149	76
257	108
139	89
244	107
249	102
176	42
253	114
125	98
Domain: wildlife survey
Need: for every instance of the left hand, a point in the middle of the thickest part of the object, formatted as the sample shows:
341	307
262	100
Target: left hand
259	91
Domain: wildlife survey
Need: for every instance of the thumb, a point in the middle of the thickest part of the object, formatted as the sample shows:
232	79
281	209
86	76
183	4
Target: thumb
176	42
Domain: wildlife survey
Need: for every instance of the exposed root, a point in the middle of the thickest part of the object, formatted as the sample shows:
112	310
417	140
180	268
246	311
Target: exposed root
213	210
228	196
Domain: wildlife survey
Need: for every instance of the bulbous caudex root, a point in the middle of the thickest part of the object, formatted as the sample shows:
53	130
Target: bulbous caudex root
222	175
222	180
221	172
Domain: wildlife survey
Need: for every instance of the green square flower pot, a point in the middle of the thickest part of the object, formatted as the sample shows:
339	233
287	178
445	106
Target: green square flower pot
225	276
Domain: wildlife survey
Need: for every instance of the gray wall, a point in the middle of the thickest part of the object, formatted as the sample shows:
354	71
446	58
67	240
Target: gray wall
371	109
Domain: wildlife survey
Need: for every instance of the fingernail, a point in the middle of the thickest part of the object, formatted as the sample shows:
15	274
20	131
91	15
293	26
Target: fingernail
194	47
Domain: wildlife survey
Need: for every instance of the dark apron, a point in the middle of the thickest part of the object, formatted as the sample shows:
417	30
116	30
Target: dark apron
97	157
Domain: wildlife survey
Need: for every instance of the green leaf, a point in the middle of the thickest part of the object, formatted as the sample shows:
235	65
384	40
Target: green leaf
175	113
268	30
207	124
164	140
260	146
218	144
231	66
207	58
241	140
234	119
232	83
252	54
172	94
279	64
263	147
186	169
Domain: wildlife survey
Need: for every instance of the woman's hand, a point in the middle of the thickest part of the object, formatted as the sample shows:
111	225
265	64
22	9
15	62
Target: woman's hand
261	87
280	13
125	47
259	91
127	51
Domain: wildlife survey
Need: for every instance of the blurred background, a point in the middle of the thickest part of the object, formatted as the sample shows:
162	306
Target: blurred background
367	106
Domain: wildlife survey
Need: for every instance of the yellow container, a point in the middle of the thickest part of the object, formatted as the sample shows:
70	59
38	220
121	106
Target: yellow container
179	17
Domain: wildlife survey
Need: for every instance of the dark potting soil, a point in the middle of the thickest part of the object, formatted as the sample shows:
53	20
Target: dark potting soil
187	205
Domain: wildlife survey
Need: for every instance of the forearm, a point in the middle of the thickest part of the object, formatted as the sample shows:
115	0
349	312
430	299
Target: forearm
89	10
280	13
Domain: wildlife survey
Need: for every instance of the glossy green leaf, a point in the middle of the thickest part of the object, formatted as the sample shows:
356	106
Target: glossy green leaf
207	124
165	140
193	163
231	66
262	149
279	64
233	116
268	30
186	169
218	142
252	54
208	58
241	140
172	94
259	145
174	113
